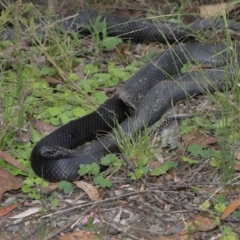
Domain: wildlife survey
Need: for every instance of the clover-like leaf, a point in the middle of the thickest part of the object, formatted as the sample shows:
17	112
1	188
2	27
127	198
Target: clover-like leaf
92	169
164	168
65	186
102	182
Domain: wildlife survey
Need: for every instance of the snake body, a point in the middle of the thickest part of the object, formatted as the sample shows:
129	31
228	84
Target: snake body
142	100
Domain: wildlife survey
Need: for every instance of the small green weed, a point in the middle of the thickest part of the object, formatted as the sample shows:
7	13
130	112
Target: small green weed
228	234
65	186
100	37
29	186
164	168
194	124
93	169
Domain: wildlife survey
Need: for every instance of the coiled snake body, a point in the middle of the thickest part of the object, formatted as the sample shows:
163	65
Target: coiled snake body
149	93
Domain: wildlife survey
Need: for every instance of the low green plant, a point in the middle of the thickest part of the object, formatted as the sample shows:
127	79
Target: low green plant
31	185
99	30
65	186
226	231
228	234
110	160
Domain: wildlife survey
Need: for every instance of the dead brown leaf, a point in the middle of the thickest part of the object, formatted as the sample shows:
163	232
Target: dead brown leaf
201	140
8	182
81	234
199	222
50	188
237	154
27	213
203	222
9	159
5	210
214	10
89	189
41	126
53	80
237	166
231	208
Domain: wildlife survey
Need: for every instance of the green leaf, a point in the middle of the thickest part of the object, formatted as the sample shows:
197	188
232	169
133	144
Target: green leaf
113	81
138	173
164	168
55	121
220	207
64	119
26	188
116	72
36	136
205	206
48	71
221	199
102	182
109	159
86	86
195	149
186	67
145	170
228	230
40	181
54	111
24	145
198	150
54	202
34	195
100	96
14	170
65	186
148	57
142	161
90	69
132	176
92	169
73	77
189	160
236	214
195	189
2	163
103	77
79	112
111	42
28	181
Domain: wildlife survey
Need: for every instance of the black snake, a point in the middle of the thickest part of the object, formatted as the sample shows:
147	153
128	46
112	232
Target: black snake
149	93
